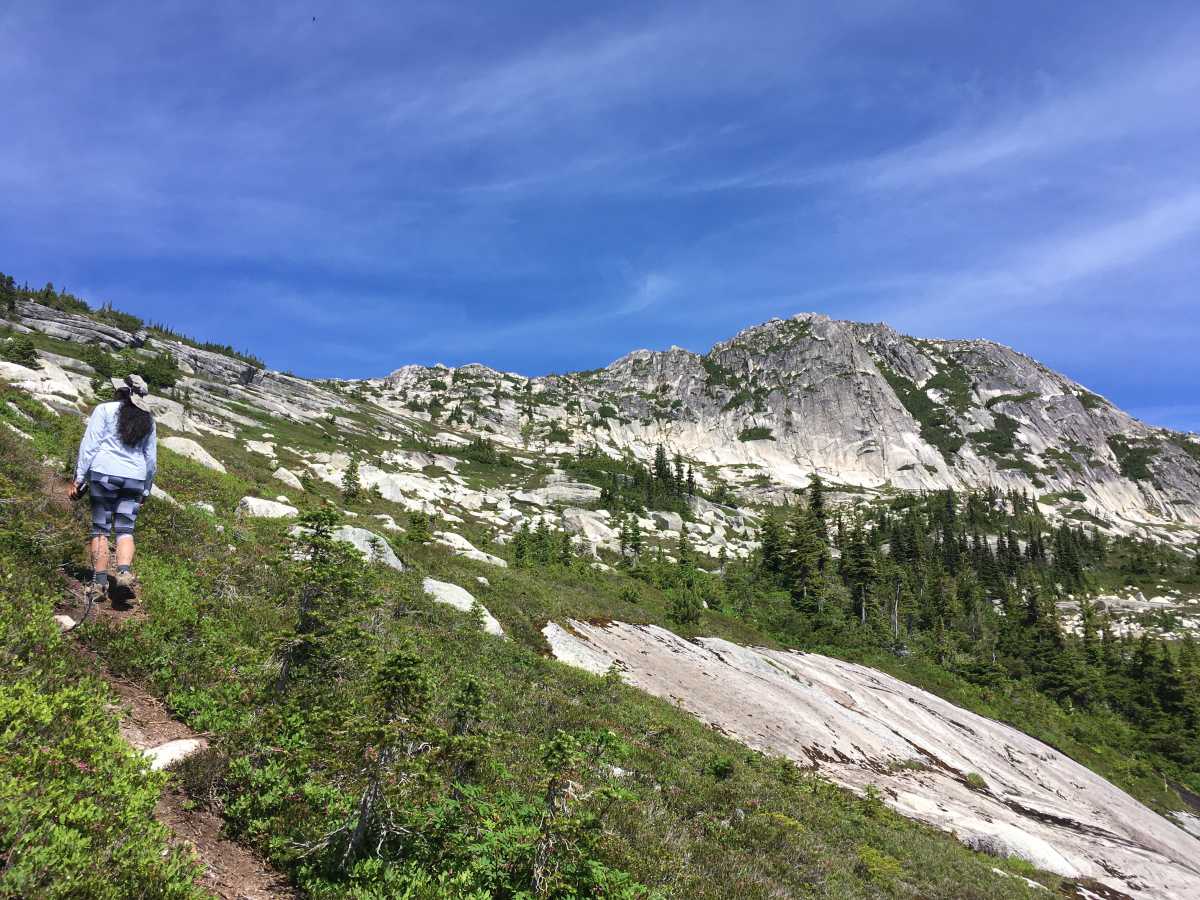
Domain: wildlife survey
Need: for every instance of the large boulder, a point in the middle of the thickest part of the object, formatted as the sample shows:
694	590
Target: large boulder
573	492
171	414
864	730
667	521
371	545
49	383
193	451
159	494
262	448
258	508
461	546
590	524
288	477
460	598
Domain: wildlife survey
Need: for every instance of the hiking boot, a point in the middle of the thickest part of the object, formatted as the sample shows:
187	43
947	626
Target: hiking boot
126	581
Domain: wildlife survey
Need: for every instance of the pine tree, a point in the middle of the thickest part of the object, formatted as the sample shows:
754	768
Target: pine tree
521	545
8	294
771	550
816	500
351	485
635	536
419	528
541	543
858	571
805	559
662	468
687	560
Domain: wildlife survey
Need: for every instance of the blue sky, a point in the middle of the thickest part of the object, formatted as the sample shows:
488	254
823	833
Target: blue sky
545	186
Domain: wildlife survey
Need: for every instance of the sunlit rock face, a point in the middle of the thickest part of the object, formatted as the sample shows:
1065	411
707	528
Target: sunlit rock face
994	787
859	404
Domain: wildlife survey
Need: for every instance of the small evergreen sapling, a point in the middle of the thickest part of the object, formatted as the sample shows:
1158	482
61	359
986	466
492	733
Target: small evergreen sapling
351	484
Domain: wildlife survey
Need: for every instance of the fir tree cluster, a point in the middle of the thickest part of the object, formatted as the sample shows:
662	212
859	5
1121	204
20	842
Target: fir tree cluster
972	583
628	485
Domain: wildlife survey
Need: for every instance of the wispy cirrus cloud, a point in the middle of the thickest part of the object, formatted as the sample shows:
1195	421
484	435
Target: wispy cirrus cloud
547	186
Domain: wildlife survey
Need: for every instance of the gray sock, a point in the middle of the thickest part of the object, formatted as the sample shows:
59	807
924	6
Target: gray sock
121	569
100	578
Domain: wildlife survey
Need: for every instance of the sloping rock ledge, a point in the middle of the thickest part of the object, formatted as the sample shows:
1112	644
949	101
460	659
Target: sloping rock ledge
859	727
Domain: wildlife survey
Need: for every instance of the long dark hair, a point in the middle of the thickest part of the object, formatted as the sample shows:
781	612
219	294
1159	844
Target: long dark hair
133	424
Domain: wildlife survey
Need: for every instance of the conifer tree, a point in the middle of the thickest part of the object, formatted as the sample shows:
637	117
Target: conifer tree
771	546
351	485
858	571
521	541
805	559
635	536
816	500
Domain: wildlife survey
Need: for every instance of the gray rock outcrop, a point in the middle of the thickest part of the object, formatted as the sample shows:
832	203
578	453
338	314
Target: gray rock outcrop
460	598
188	448
371	545
258	508
861	727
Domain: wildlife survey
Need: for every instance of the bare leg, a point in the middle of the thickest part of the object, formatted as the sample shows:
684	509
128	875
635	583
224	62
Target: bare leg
99	548
125	550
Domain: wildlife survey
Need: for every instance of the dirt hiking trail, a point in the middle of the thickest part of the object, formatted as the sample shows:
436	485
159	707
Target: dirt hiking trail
231	871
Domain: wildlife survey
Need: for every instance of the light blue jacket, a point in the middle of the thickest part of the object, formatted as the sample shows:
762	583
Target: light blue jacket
101	450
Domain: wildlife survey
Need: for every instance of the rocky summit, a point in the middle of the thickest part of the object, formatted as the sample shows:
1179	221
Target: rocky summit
861	405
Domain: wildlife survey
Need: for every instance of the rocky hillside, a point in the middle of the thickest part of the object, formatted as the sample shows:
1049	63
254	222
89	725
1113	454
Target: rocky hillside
861	405
644	493
866	408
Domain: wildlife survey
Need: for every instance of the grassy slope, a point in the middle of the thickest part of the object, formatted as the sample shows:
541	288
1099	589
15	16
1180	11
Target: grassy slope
708	814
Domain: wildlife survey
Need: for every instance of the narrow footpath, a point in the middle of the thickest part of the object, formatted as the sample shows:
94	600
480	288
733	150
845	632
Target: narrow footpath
231	871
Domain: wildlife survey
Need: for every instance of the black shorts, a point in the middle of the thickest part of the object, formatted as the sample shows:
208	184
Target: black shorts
115	503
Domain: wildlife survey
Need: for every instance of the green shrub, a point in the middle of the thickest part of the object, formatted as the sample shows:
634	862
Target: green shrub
20	349
1011	398
879	866
557	434
1000	439
124	321
160	370
481	451
1133	459
756	433
952	380
717	375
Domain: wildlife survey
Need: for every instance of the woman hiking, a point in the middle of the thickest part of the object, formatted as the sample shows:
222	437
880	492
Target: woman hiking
117	460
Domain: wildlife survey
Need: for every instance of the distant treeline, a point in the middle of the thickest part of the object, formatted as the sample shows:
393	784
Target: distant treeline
64	301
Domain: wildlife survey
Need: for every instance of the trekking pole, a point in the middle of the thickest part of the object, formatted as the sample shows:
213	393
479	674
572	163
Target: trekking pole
87	609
